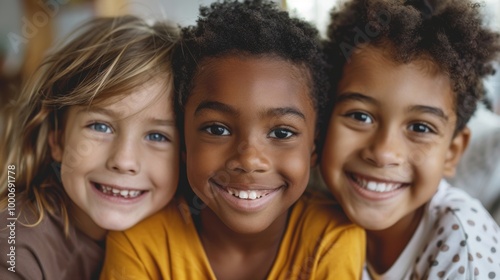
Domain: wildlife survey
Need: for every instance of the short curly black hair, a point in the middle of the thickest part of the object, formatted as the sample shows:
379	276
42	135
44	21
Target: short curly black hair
448	32
257	28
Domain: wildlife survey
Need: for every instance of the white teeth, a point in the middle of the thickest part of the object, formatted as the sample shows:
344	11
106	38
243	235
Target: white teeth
372	186
252	195
133	193
243	195
376	186
117	192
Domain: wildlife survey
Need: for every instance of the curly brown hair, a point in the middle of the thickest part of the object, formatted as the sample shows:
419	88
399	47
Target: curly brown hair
250	27
450	33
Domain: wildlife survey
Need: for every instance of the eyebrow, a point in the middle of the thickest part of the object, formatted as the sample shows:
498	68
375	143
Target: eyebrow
430	110
224	108
348	96
283	111
417	108
215	106
116	115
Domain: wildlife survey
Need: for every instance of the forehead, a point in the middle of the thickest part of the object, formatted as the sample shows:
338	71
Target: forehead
246	73
373	69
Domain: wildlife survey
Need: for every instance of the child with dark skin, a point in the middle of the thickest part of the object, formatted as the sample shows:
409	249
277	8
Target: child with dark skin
249	80
407	77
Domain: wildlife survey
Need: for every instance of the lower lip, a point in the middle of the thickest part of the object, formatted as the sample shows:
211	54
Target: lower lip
246	205
117	199
371	195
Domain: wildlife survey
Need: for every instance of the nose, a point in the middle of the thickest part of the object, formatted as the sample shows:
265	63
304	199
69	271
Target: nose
123	157
249	158
385	148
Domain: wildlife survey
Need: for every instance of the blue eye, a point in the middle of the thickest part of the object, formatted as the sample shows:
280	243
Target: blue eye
420	128
361	117
281	133
100	127
217	130
156	137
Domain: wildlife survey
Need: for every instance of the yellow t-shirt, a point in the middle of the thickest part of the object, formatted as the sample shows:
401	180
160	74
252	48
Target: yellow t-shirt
319	243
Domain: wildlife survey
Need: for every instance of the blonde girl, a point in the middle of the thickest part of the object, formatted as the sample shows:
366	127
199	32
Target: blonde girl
91	146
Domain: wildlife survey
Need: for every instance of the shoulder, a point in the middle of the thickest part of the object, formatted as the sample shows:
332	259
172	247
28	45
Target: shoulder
318	217
45	251
319	208
321	240
462	241
172	219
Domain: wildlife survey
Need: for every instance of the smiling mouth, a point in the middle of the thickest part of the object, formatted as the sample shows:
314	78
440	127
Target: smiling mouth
247	194
123	193
376	186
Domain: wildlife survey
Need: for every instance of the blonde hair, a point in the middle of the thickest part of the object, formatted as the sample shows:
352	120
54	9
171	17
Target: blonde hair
109	57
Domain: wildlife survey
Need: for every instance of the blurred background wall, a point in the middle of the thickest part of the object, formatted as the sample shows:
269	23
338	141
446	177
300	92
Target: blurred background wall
28	28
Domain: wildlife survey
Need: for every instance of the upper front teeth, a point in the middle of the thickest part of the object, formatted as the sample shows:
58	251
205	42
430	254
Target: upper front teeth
244	194
377	186
118	192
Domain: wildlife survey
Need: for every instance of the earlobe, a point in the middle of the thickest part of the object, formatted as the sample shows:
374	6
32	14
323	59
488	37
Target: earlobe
455	151
56	150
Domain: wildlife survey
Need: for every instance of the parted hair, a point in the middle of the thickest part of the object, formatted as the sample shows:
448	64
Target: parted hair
450	34
106	59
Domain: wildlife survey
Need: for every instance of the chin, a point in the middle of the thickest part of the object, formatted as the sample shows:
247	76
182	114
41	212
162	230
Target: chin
118	224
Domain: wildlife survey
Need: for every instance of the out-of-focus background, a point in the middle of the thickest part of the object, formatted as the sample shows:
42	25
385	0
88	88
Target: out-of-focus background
29	28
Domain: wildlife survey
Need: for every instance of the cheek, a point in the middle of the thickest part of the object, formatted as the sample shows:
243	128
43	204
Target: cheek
296	165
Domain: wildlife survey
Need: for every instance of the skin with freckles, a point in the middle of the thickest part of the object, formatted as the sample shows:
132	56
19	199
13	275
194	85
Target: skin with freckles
390	140
130	146
249	129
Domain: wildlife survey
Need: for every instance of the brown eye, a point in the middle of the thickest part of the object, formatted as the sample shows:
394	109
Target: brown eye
281	133
361	117
420	128
217	130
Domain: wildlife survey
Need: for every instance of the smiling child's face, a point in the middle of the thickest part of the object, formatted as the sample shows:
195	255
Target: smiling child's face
390	139
249	129
120	161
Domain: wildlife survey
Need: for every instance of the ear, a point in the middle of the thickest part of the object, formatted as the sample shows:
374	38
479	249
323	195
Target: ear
455	152
56	150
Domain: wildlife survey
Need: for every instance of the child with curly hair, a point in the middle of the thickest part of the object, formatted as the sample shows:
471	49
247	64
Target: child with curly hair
250	80
93	146
407	76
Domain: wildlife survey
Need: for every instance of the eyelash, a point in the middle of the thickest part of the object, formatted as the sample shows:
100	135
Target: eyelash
209	129
428	128
225	131
93	126
289	133
352	115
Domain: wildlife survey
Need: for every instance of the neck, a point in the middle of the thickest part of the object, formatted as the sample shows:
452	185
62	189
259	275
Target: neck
235	255
214	233
385	246
85	224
